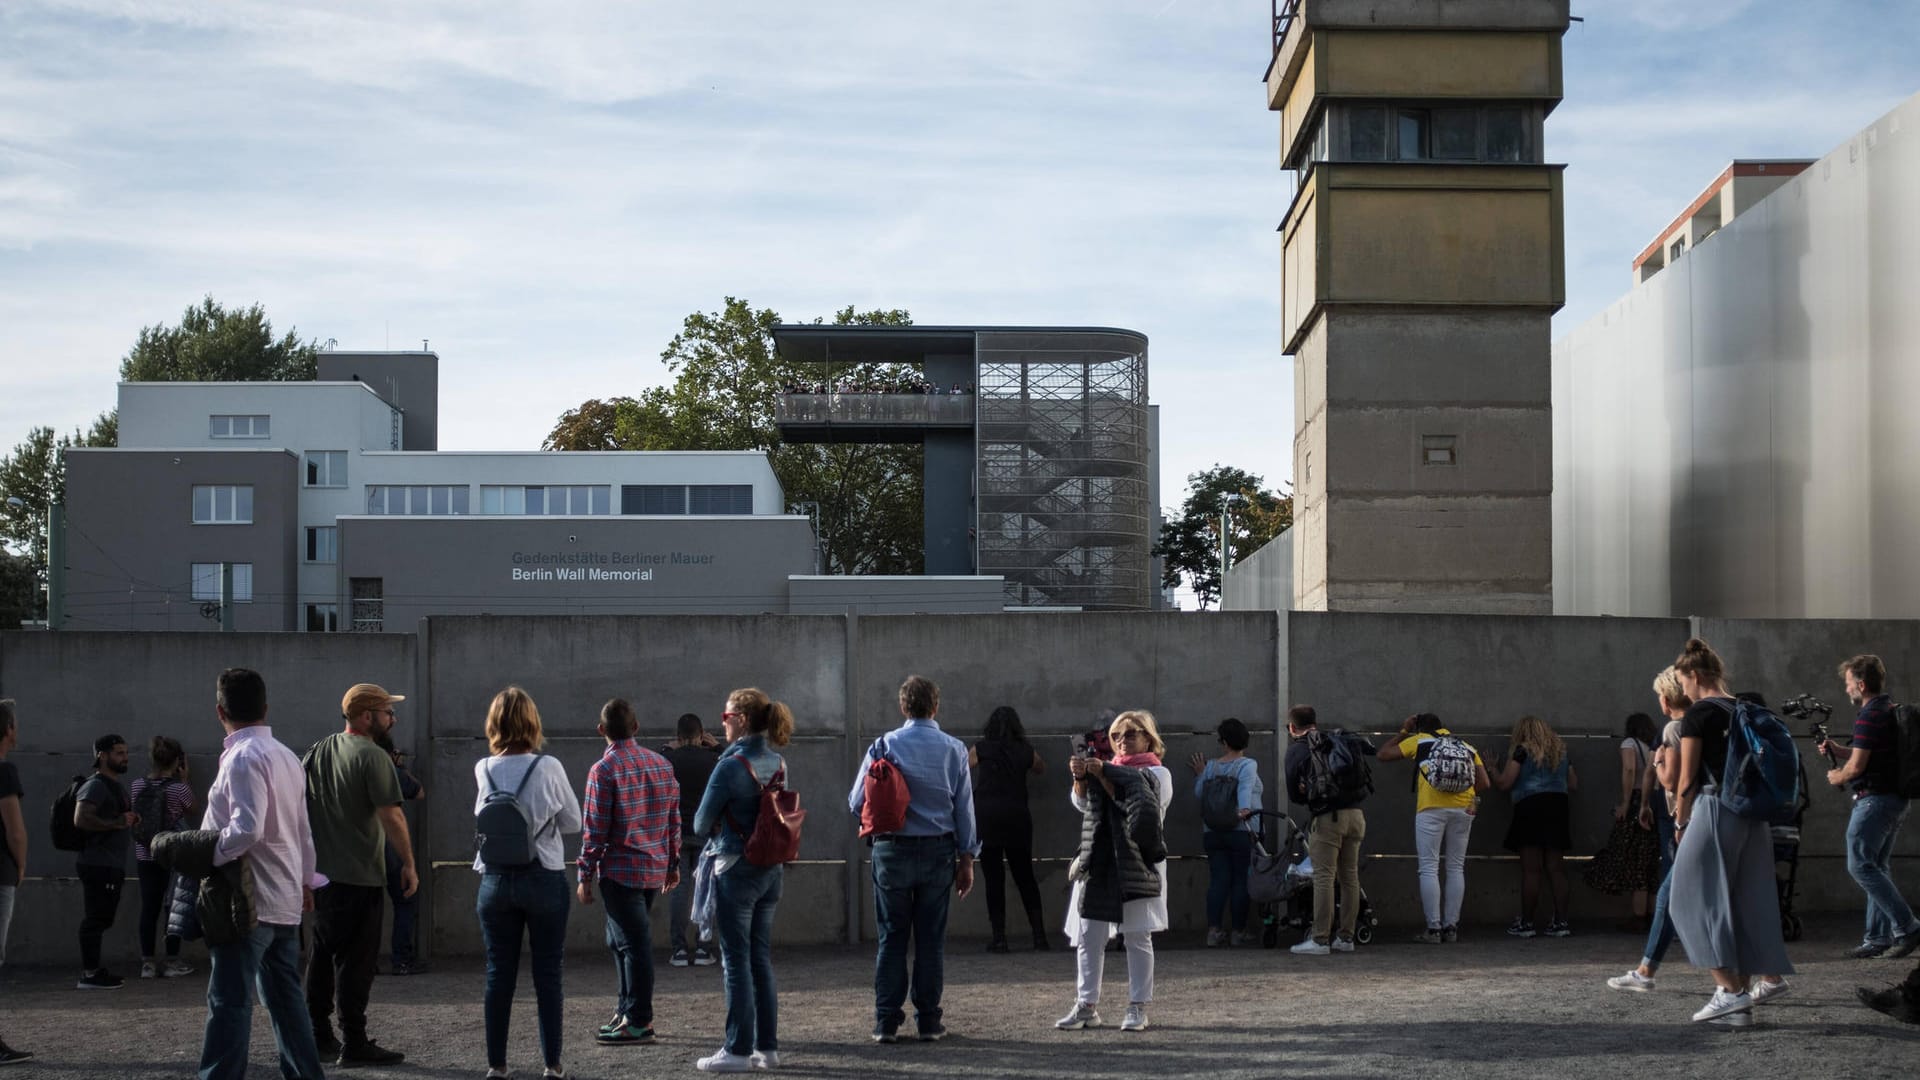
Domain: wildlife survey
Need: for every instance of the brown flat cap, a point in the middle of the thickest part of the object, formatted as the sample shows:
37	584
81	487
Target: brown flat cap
364	696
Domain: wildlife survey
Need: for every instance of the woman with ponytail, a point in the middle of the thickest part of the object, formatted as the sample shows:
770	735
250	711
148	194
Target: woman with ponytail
1725	905
744	895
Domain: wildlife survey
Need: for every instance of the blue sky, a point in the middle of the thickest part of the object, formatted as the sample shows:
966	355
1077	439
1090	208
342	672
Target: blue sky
544	190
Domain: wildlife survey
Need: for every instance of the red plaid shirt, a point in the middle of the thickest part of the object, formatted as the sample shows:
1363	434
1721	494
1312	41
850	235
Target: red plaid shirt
632	818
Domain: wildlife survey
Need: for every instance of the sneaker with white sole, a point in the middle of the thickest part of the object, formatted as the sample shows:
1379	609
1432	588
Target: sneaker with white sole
1723	1003
149	969
1743	1018
720	1061
1429	936
1632	980
1216	938
1519	928
1310	947
1342	944
1761	990
1082	1015
1136	1018
679	958
1449	935
765	1059
176	968
703	957
1242	939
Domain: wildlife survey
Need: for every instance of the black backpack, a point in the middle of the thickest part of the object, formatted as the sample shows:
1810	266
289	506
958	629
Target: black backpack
1220	801
503	832
1337	769
1906	751
66	835
151	805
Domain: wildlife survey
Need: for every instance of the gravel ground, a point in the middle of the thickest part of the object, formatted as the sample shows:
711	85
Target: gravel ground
1489	1006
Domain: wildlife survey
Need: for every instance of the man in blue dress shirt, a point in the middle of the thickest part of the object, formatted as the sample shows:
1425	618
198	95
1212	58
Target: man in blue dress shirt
914	868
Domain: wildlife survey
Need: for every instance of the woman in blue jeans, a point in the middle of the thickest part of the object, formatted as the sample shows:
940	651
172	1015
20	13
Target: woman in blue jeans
1229	851
526	901
1656	811
744	895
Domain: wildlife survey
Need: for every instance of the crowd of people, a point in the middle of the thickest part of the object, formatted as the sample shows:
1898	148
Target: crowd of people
322	838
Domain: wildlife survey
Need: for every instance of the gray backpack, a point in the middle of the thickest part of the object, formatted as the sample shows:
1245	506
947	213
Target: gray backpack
503	832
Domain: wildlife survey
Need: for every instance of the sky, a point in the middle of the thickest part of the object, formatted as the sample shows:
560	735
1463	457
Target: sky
543	191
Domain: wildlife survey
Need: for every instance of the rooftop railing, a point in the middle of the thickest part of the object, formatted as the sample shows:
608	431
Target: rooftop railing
890	409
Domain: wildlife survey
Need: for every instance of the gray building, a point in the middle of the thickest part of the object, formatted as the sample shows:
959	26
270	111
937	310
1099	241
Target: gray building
1735	436
1039	463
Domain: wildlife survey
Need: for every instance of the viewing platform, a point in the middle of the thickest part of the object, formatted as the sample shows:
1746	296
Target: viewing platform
870	418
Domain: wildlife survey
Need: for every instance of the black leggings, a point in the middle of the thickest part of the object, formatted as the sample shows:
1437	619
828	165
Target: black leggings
1020	862
156	892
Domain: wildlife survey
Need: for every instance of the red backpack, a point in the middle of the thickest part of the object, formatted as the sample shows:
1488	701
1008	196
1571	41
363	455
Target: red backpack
775	840
883	794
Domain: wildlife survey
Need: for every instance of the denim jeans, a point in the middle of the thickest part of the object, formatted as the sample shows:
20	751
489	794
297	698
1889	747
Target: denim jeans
680	902
1660	927
1436	832
1870	834
528	905
743	901
267	960
1229	854
630	939
912	890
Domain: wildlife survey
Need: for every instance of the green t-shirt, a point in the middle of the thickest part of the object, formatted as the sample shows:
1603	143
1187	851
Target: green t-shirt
349	779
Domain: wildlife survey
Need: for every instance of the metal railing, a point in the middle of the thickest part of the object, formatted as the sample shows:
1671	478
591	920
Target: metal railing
1284	12
887	409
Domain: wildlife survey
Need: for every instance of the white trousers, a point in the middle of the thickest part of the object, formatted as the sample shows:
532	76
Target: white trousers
1093	963
1437	833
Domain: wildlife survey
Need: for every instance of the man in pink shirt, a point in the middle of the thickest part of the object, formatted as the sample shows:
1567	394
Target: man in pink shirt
258	805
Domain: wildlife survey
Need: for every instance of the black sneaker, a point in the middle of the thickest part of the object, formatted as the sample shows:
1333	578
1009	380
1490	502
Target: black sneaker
626	1035
703	957
1558	928
324	1042
1520	928
10	1056
679	958
409	967
933	1032
369	1053
998	944
1867	951
1903	946
1892	1002
1449	934
884	1032
99	980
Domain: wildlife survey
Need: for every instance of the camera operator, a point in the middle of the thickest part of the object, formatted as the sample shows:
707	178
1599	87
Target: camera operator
1871	771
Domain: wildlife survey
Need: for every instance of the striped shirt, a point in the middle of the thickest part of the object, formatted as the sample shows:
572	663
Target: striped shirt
632	814
179	800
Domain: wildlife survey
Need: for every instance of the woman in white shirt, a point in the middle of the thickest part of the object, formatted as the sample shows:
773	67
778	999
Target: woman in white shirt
527	899
1121	867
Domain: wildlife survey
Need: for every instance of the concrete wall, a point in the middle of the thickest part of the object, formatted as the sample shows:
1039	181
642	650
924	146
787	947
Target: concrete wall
840	674
1732	437
1263	581
835	594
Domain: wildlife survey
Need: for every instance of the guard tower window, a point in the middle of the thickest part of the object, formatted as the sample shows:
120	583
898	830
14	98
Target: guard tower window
1456	134
1438	449
1506	135
1367	134
1410	134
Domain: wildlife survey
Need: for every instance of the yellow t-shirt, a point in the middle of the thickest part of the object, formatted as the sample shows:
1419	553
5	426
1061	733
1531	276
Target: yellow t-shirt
1431	798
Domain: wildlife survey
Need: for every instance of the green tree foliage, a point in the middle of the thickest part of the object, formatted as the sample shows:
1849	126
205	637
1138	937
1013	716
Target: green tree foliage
19	590
726	378
1190	543
213	344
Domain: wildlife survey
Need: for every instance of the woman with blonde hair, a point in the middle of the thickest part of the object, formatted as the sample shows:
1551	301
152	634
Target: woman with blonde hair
523	893
1723	865
1120	875
1656	813
744	895
1539	775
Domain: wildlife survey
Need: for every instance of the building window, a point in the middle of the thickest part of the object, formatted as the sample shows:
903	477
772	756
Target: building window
720	499
326	468
323	544
1506	135
206	582
1678	249
240	427
1438	449
439	500
323	618
1456	134
551	500
1367	134
653	499
369	604
223	504
1410	134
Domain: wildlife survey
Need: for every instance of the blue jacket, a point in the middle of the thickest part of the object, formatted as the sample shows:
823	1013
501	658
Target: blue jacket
731	805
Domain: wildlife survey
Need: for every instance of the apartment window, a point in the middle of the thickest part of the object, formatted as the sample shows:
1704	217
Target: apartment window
418	499
1456	134
239	427
326	468
720	499
1410	134
206	582
1438	449
1678	249
223	504
323	618
1367	134
653	499
323	544
369	611
546	499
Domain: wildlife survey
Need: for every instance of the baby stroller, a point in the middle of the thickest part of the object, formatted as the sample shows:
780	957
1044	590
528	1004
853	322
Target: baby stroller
1280	881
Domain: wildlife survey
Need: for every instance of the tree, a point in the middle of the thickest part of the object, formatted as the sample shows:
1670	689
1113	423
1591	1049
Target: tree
1190	543
213	344
19	590
727	378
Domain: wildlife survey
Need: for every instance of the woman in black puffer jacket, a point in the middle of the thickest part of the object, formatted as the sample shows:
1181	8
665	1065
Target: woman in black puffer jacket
1120	875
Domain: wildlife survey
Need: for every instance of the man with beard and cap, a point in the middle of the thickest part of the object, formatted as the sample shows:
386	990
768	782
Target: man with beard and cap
105	814
353	806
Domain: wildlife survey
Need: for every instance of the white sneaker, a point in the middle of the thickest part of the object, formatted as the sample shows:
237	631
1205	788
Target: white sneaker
1136	1018
722	1062
1632	980
149	970
1761	990
1342	944
176	968
1082	1015
1216	938
1243	939
1723	1003
1310	947
765	1059
1743	1018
